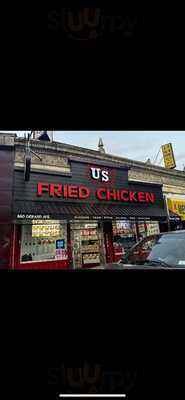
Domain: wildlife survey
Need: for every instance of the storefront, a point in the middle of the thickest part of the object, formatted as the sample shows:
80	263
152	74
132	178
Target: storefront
176	209
83	218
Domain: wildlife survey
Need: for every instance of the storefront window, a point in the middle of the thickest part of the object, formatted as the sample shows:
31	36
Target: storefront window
152	228
124	237
148	228
142	230
43	241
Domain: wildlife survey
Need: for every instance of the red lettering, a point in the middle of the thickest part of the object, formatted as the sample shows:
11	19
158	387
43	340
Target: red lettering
123	192
73	192
55	190
141	197
101	194
65	191
150	198
84	192
111	195
118	195
132	196
42	187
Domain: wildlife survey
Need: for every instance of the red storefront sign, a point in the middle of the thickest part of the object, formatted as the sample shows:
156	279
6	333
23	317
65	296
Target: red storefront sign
102	194
65	191
125	195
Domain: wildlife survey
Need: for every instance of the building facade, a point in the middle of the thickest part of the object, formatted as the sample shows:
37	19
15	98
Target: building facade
80	207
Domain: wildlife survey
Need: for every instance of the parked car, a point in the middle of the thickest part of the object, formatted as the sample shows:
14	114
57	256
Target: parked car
164	249
159	251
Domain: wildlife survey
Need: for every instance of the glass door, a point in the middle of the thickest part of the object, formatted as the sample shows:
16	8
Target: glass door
87	244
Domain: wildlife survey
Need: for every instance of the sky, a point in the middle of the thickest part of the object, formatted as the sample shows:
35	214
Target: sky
136	145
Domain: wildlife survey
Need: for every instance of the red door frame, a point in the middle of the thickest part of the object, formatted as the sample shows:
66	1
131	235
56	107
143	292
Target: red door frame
108	237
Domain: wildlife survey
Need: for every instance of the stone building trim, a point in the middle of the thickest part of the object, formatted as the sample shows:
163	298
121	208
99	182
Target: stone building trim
57	157
66	149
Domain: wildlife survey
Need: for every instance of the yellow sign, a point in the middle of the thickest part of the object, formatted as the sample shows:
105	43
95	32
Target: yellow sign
177	206
168	155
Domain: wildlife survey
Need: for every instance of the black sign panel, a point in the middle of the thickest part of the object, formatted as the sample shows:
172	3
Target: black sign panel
104	185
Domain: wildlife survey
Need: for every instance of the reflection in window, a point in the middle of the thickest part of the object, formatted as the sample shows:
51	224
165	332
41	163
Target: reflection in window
124	237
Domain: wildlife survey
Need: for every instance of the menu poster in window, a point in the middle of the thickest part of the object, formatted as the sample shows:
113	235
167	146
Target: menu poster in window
45	230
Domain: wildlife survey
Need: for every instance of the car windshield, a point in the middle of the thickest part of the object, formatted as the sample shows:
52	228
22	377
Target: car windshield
170	249
165	249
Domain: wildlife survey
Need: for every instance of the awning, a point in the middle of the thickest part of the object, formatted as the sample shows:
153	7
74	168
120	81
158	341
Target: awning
56	210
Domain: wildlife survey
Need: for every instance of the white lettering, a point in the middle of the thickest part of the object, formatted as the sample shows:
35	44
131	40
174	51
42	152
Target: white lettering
95	173
105	176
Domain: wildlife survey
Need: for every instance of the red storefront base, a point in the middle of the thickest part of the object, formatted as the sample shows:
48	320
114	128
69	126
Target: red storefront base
111	252
54	265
